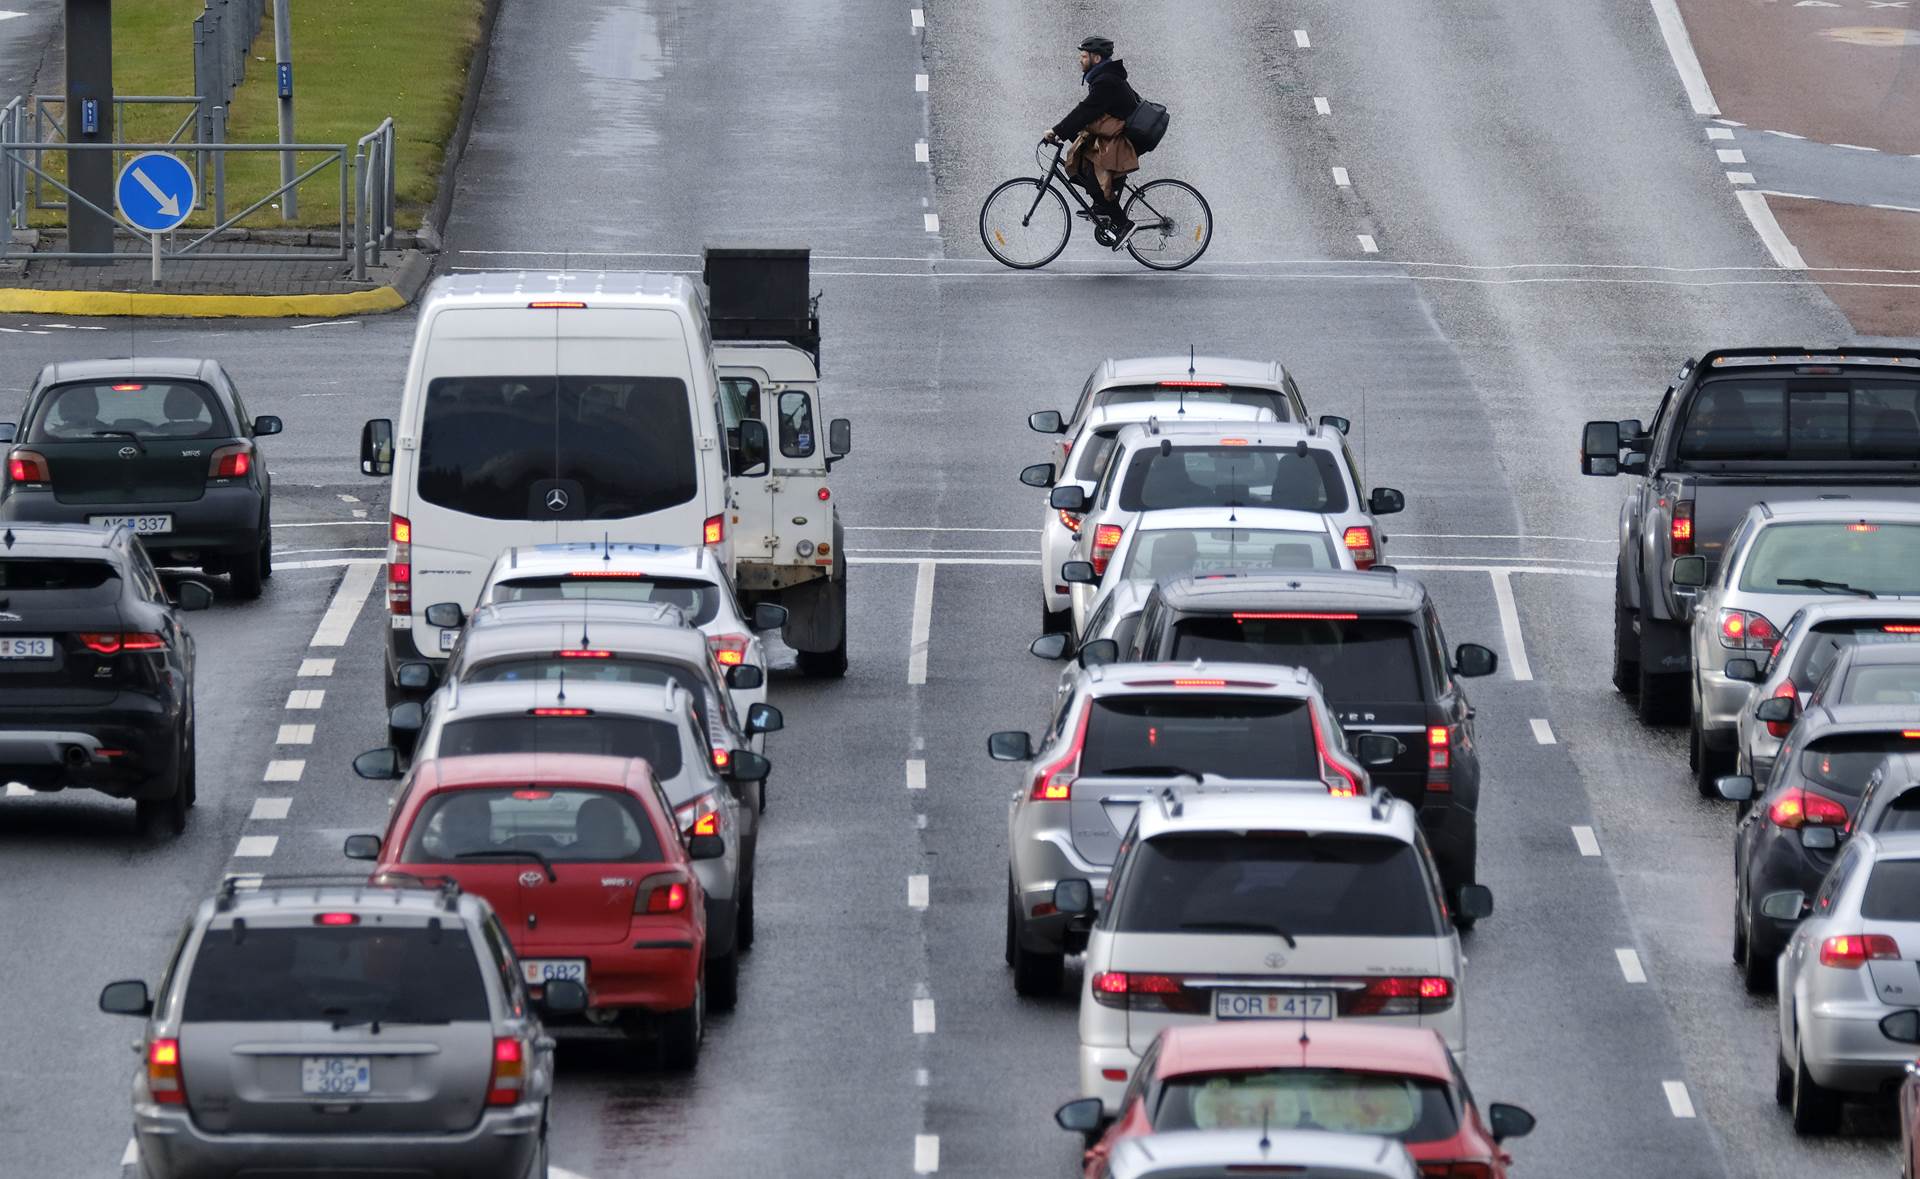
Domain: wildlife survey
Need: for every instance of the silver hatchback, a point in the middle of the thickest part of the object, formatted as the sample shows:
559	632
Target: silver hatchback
344	1028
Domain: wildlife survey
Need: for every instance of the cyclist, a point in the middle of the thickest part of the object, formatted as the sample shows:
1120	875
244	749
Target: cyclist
1101	153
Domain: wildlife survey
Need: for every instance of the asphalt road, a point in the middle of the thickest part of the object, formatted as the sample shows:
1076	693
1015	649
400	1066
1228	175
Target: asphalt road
1553	234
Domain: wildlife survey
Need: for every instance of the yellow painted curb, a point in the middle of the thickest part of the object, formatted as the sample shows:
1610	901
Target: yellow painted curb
123	303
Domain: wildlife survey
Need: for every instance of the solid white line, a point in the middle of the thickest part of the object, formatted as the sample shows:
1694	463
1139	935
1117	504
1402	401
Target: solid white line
1896	208
1680	48
306	698
922	624
315	667
327	523
940	561
1497	536
270	808
254	847
932	222
923	1024
1584	840
1542	731
1771	235
920	83
1340	178
917	892
324	323
1321	105
131	1154
1367	244
1731	155
916	774
285	771
1630	968
972	552
1729	122
1719	133
919	19
920	152
926	528
1853	147
1739	178
1677	1098
554	1172
1510	624
1300	39
347	601
926	1154
1784	134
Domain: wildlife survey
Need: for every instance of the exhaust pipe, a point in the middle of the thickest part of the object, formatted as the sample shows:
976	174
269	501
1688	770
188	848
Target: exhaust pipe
75	756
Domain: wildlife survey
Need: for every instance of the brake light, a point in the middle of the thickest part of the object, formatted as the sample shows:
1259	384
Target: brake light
1341	782
163	1072
1799	808
1400	995
714	530
1439	746
559	712
336	918
663	892
230	462
1071	521
1199	683
1456	1171
509	1071
1744	630
557	305
1054	782
399	565
1782	728
531	795
1307	615
1863	526
130	388
616	574
28	466
1896	628
698	816
109	643
1233	442
1680	529
1359	542
1851	951
1146	992
582	653
1106	538
721	758
1193	384
728	650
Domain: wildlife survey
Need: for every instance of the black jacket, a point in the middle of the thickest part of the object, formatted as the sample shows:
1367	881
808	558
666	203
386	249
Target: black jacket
1107	94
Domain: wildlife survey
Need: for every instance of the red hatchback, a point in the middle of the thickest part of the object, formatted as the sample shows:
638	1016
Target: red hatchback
1349	1078
583	861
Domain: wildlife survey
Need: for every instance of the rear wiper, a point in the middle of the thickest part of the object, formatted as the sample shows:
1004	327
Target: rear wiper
341	1022
129	435
1820	584
1242	927
514	853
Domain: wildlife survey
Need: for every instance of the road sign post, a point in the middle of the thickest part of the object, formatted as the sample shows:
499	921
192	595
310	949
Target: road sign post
283	75
155	193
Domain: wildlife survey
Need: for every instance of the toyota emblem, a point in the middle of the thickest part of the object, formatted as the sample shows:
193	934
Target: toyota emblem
128	452
1276	960
556	500
530	879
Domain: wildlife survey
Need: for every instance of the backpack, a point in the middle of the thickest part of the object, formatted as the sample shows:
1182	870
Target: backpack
1146	126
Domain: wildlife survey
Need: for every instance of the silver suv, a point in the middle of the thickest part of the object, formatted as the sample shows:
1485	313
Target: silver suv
342	1027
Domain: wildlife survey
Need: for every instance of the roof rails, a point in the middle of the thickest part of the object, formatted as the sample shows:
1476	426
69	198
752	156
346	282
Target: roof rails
241	882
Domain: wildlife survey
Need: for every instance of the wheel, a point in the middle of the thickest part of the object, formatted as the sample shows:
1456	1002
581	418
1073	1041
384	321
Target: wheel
1708	763
168	815
1035	973
723	979
830	664
682	1031
191	759
1756	963
1660	699
1782	1081
1626	650
1816	1110
1173	224
1024	224
266	555
247	574
1739	924
745	935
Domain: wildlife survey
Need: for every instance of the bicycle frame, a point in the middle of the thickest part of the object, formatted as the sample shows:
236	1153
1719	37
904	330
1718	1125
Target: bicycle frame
1055	171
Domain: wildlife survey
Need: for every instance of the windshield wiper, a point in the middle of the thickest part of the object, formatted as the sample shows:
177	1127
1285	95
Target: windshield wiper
129	435
514	853
1839	587
1243	927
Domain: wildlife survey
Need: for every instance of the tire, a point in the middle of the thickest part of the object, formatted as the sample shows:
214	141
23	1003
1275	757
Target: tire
830	664
1016	239
537	1168
249	574
1815	1109
723	979
1660	700
744	938
681	1033
1708	763
1036	974
165	816
1055	622
1012	918
1739	926
1626	649
266	559
1782	1081
1757	967
1184	220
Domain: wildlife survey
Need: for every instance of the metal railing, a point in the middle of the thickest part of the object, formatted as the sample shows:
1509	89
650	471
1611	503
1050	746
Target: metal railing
51	128
373	203
222	36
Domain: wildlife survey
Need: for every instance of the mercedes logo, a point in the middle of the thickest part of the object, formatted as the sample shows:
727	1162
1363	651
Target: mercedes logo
128	452
556	500
1276	960
531	879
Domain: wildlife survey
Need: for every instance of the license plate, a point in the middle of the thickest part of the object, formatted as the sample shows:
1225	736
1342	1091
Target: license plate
335	1075
448	638
1272	1005
25	648
543	970
141	525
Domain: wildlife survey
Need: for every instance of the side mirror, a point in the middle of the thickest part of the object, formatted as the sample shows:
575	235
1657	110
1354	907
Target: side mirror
1047	421
1385	501
1010	745
1098	652
1071	498
1819	838
768	616
1735	787
9	431
1079	572
706	847
1333	423
192	595
1631	431
446	615
378	765
1037	475
406	717
1474	902
1784	906
839	438
745	677
1746	671
1902	1027
753	450
1600	448
1508	1121
1688	572
764	718
126	997
744	765
1633	464
1084	1116
1471	659
414	675
1073	897
564	996
1377	749
1055	646
267	424
361	847
1777	709
376	447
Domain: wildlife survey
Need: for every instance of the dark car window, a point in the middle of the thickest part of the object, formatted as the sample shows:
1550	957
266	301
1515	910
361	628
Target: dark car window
1411	1109
1236	737
334	974
1307	885
1842	763
1882	558
611	736
1903	813
1096	446
1199	395
700	600
1881	683
611	670
1246	476
796	425
1757	418
571	826
615	446
73	581
1357	660
146	409
1893	892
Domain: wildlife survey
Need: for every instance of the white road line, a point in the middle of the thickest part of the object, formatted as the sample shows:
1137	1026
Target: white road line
289	770
344	498
327	524
1630	968
325	323
1739	178
554	1172
932	222
17	790
923	622
1367	244
919	19
923	1023
270	808
916	892
1897	208
1853	147
1510	624
920	83
921	1078
941	561
926	1154
255	847
306	698
916	774
1785	254
1542	731
1499	536
1340	178
1584	840
1677	1098
1729	122
315	667
1300	39
920	152
1321	106
294	735
345	607
1784	134
1731	155
920	821
1719	133
1680	48
972	552
131	1154
925	528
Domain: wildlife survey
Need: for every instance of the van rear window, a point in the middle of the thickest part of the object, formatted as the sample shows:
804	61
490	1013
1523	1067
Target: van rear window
568	448
1358	661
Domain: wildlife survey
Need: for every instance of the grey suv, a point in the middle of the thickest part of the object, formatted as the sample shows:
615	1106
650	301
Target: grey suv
342	1027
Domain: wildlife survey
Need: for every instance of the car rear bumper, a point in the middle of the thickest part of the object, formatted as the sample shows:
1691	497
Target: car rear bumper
224	521
1843	1048
1720	701
653	970
501	1146
1094	1061
1039	862
114	749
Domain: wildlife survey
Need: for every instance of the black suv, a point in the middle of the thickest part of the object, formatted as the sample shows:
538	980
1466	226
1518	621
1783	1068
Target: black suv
96	672
1373	640
164	447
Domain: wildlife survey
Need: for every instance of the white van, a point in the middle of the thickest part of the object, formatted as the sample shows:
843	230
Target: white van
543	408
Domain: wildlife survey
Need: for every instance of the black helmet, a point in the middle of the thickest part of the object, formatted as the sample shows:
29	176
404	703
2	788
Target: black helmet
1098	46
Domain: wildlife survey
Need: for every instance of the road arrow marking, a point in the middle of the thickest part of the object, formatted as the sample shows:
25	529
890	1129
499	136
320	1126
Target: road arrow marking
169	205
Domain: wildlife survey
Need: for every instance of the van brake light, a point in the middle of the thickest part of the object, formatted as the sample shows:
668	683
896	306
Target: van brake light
399	565
714	531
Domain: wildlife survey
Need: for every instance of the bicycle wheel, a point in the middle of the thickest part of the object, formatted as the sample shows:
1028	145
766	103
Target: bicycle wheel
1174	224
1024	224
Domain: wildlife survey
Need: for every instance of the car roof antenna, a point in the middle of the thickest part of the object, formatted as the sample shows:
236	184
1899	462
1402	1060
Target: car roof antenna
1266	1114
561	697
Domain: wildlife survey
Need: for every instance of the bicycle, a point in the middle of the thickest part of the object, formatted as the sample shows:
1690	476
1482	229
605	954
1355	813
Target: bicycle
1021	228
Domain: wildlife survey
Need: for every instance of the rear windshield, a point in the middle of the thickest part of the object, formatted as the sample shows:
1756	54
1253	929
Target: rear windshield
1175	396
1174	552
572	448
1091	454
700	600
1235	737
610	736
1893	892
1842	764
566	826
145	409
1357	660
1305	885
521	669
76	581
335	974
1813	419
1242	476
1879	558
1411	1109
1882	683
1829	639
1903	813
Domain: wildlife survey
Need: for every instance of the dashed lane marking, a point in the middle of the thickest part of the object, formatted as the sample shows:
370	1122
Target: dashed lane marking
919	18
916	892
268	809
925	528
1678	1100
1630	968
1853	147
920	83
1719	133
1731	155
923	1023
131	1154
926	1154
932	222
1510	624
916	774
1321	106
347	601
306	698
922	624
294	735
290	770
1584	840
1784	134
920	152
921	1078
1340	178
17	790
1785	254
1685	61
1367	244
1739	178
1542	731
1300	39
255	847
315	667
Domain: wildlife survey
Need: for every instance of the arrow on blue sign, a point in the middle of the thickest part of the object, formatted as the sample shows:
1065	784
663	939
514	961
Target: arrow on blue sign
155	191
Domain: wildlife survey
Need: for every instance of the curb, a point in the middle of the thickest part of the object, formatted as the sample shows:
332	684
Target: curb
131	303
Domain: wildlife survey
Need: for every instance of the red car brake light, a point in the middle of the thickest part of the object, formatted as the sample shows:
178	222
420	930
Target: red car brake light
109	643
230	462
1680	529
28	466
661	893
1799	808
1106	538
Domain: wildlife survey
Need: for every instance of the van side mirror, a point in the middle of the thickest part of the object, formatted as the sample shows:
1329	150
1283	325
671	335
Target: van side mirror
1471	659
446	615
706	847
745	677
376	447
1047	421
1010	745
1037	475
361	847
764	718
1334	423
1790	905
1745	671
1078	572
1385	501
1777	709
1600	448
1688	572
753	449
564	996
1073	897
1097	652
126	997
378	765
267	425
415	675
744	765
1070	498
1508	1121
839	438
1377	749
768	616
1735	787
1474	902
1054	646
192	595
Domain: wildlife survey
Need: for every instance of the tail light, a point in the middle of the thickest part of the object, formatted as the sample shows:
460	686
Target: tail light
1744	630
399	565
28	466
728	650
163	1072
1439	758
1053	782
721	758
1147	992
662	893
509	1071
1070	521
230	462
699	816
1782	728
1106	538
110	643
1359	542
714	530
1851	951
1400	995
1341	782
1799	808
1680	529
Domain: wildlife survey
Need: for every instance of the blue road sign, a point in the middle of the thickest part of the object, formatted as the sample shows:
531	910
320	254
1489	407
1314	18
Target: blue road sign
155	191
